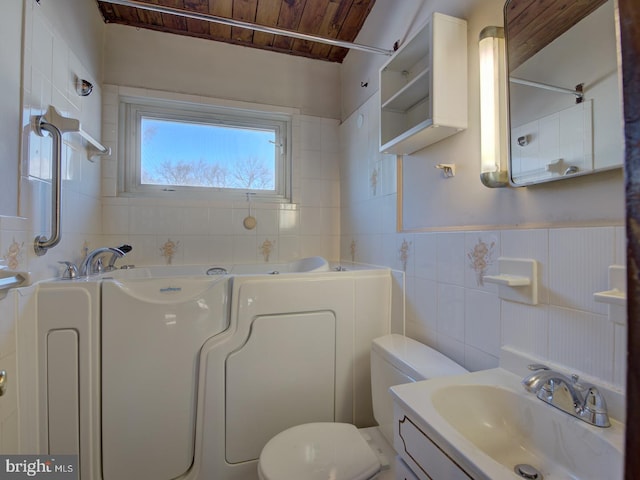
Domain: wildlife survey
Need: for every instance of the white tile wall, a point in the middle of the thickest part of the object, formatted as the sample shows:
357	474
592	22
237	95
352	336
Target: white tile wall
447	309
50	67
578	266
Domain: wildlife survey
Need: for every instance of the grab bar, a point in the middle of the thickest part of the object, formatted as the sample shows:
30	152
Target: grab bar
10	282
15	279
56	125
41	243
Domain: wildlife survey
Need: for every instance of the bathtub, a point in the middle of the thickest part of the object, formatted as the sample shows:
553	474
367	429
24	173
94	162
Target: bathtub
202	401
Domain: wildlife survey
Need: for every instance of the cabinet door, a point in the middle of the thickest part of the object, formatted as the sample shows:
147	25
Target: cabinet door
424	457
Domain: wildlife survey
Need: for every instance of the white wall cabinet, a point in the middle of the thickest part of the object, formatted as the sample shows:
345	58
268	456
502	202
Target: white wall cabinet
423	87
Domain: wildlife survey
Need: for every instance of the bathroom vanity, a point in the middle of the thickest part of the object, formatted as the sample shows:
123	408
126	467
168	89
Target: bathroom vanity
485	426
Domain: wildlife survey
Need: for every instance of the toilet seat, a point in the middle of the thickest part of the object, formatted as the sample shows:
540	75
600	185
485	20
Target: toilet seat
318	451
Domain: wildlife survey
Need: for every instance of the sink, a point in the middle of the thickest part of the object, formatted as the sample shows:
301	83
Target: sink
490	425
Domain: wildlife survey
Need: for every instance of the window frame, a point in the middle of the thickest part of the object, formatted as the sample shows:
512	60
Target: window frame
132	109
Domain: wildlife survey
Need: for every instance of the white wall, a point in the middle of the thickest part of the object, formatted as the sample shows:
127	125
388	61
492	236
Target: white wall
176	63
450	219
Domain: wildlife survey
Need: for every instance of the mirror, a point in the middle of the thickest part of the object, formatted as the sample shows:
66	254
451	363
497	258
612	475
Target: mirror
565	104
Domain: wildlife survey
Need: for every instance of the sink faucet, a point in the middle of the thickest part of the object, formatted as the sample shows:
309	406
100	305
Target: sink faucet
582	401
92	264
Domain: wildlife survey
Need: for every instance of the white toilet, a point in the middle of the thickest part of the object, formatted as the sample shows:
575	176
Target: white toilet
339	451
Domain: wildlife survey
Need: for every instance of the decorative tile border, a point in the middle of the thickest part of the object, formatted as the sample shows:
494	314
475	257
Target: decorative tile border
373	180
404	253
169	249
13	256
266	249
480	258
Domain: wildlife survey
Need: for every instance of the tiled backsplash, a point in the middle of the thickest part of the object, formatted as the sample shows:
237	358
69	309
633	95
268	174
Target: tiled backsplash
448	307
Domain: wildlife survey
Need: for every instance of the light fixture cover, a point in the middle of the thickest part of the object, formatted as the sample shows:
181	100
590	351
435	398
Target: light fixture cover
493	108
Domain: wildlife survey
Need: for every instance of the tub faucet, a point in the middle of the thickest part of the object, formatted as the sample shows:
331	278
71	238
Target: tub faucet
92	264
580	400
112	261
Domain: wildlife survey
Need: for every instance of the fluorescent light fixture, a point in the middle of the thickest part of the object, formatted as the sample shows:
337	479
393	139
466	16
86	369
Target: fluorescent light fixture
493	108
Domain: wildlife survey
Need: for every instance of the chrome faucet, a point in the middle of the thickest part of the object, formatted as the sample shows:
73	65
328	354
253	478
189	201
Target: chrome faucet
92	264
580	400
112	261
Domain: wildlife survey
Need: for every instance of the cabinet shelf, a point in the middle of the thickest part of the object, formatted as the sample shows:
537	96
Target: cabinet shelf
414	92
423	87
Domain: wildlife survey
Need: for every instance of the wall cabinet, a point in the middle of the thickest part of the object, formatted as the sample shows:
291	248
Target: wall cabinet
423	87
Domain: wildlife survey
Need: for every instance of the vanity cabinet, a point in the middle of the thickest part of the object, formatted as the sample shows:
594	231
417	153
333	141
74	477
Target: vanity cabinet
421	454
423	87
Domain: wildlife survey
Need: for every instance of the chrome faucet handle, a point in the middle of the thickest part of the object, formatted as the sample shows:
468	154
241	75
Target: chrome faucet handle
70	272
594	409
595	401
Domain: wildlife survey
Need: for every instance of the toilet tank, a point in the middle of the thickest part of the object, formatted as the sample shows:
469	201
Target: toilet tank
396	359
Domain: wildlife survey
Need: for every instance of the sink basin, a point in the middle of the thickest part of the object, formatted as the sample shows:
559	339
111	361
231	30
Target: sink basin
490	424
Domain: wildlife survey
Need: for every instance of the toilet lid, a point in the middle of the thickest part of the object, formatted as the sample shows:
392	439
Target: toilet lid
318	451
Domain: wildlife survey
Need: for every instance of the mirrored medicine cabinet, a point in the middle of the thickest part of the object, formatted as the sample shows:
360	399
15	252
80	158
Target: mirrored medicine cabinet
565	103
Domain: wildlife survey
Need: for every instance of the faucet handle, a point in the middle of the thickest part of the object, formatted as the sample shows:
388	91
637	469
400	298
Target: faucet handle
594	408
70	272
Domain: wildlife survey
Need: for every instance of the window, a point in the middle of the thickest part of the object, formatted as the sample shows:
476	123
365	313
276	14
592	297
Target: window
191	150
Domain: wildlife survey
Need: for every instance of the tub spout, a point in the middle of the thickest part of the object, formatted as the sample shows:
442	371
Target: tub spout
92	264
112	261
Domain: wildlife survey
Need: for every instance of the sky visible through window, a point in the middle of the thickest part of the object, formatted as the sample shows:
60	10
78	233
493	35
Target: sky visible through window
199	154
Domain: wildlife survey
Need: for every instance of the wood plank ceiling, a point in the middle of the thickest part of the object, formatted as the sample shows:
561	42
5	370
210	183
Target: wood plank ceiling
533	24
336	19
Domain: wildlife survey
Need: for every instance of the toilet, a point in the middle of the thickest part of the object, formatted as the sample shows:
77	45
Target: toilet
339	451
